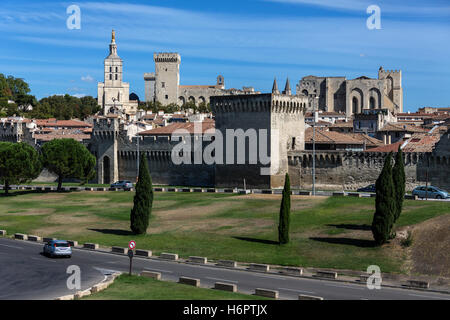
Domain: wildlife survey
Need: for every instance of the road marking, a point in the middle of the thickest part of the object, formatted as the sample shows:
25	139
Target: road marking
301	291
33	258
341	286
165	271
429	297
211	278
267	276
15	247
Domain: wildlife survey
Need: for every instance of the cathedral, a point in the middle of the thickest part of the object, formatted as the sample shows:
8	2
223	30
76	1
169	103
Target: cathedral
337	94
113	93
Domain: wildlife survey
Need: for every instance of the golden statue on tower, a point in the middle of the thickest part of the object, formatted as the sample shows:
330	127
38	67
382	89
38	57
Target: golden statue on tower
113	36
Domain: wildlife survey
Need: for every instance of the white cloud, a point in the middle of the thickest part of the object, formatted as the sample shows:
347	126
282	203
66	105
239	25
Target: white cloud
87	78
361	5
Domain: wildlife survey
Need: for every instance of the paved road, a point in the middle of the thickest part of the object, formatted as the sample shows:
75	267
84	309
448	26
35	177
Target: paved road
26	274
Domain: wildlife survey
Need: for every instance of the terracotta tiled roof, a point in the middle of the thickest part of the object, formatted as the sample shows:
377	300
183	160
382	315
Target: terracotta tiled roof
62	123
421	142
370	141
343	124
178	116
49	137
330	137
189	126
149	116
387	148
401	127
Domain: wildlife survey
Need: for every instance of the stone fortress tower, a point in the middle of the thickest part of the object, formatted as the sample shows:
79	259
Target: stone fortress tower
163	85
167	77
275	119
113	93
337	94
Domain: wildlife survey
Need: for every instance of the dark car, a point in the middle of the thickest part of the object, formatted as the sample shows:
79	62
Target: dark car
369	188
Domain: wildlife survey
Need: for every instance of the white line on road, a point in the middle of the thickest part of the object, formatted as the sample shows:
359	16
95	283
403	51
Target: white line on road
342	286
165	271
225	280
429	297
301	291
5	245
33	258
266	276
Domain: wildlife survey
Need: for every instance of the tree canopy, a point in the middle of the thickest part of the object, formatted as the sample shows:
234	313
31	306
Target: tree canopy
143	200
68	158
384	216
19	163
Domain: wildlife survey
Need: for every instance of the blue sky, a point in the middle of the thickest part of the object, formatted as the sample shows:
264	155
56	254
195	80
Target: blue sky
249	42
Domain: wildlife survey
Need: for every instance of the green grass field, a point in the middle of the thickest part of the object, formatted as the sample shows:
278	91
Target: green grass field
127	287
331	232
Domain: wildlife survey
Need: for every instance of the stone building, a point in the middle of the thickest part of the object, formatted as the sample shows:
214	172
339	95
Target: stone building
346	170
113	93
267	115
163	85
254	128
337	94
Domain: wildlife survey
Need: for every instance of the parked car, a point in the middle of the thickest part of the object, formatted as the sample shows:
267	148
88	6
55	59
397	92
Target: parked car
57	248
369	188
431	192
125	185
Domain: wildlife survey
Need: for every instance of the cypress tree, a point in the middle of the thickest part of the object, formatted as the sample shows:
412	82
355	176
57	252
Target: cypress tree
383	219
285	211
398	174
143	200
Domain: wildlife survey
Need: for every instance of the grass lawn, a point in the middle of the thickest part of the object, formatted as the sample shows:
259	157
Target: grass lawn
127	287
326	232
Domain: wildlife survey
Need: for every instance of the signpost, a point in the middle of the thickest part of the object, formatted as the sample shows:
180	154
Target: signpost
131	247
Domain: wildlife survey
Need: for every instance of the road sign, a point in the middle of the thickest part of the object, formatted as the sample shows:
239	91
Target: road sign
131	246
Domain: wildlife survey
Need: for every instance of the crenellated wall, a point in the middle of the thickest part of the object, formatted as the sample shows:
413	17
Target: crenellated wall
351	170
111	142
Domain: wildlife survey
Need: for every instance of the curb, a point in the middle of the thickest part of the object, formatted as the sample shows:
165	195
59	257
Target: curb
94	289
272	269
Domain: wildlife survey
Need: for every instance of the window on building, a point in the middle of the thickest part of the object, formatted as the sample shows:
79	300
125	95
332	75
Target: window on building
293	143
163	84
167	97
110	76
110	69
116	76
117	69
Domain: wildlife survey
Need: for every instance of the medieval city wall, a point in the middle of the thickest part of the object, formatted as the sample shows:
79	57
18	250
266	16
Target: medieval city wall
351	170
163	170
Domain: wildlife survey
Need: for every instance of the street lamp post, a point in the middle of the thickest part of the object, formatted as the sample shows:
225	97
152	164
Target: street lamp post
137	156
314	148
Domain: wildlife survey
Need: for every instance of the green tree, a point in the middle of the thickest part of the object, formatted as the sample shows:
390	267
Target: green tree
68	158
143	200
19	163
285	211
383	219
398	175
204	107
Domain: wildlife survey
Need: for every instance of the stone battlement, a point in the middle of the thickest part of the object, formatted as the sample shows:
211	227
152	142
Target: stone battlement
167	57
258	103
